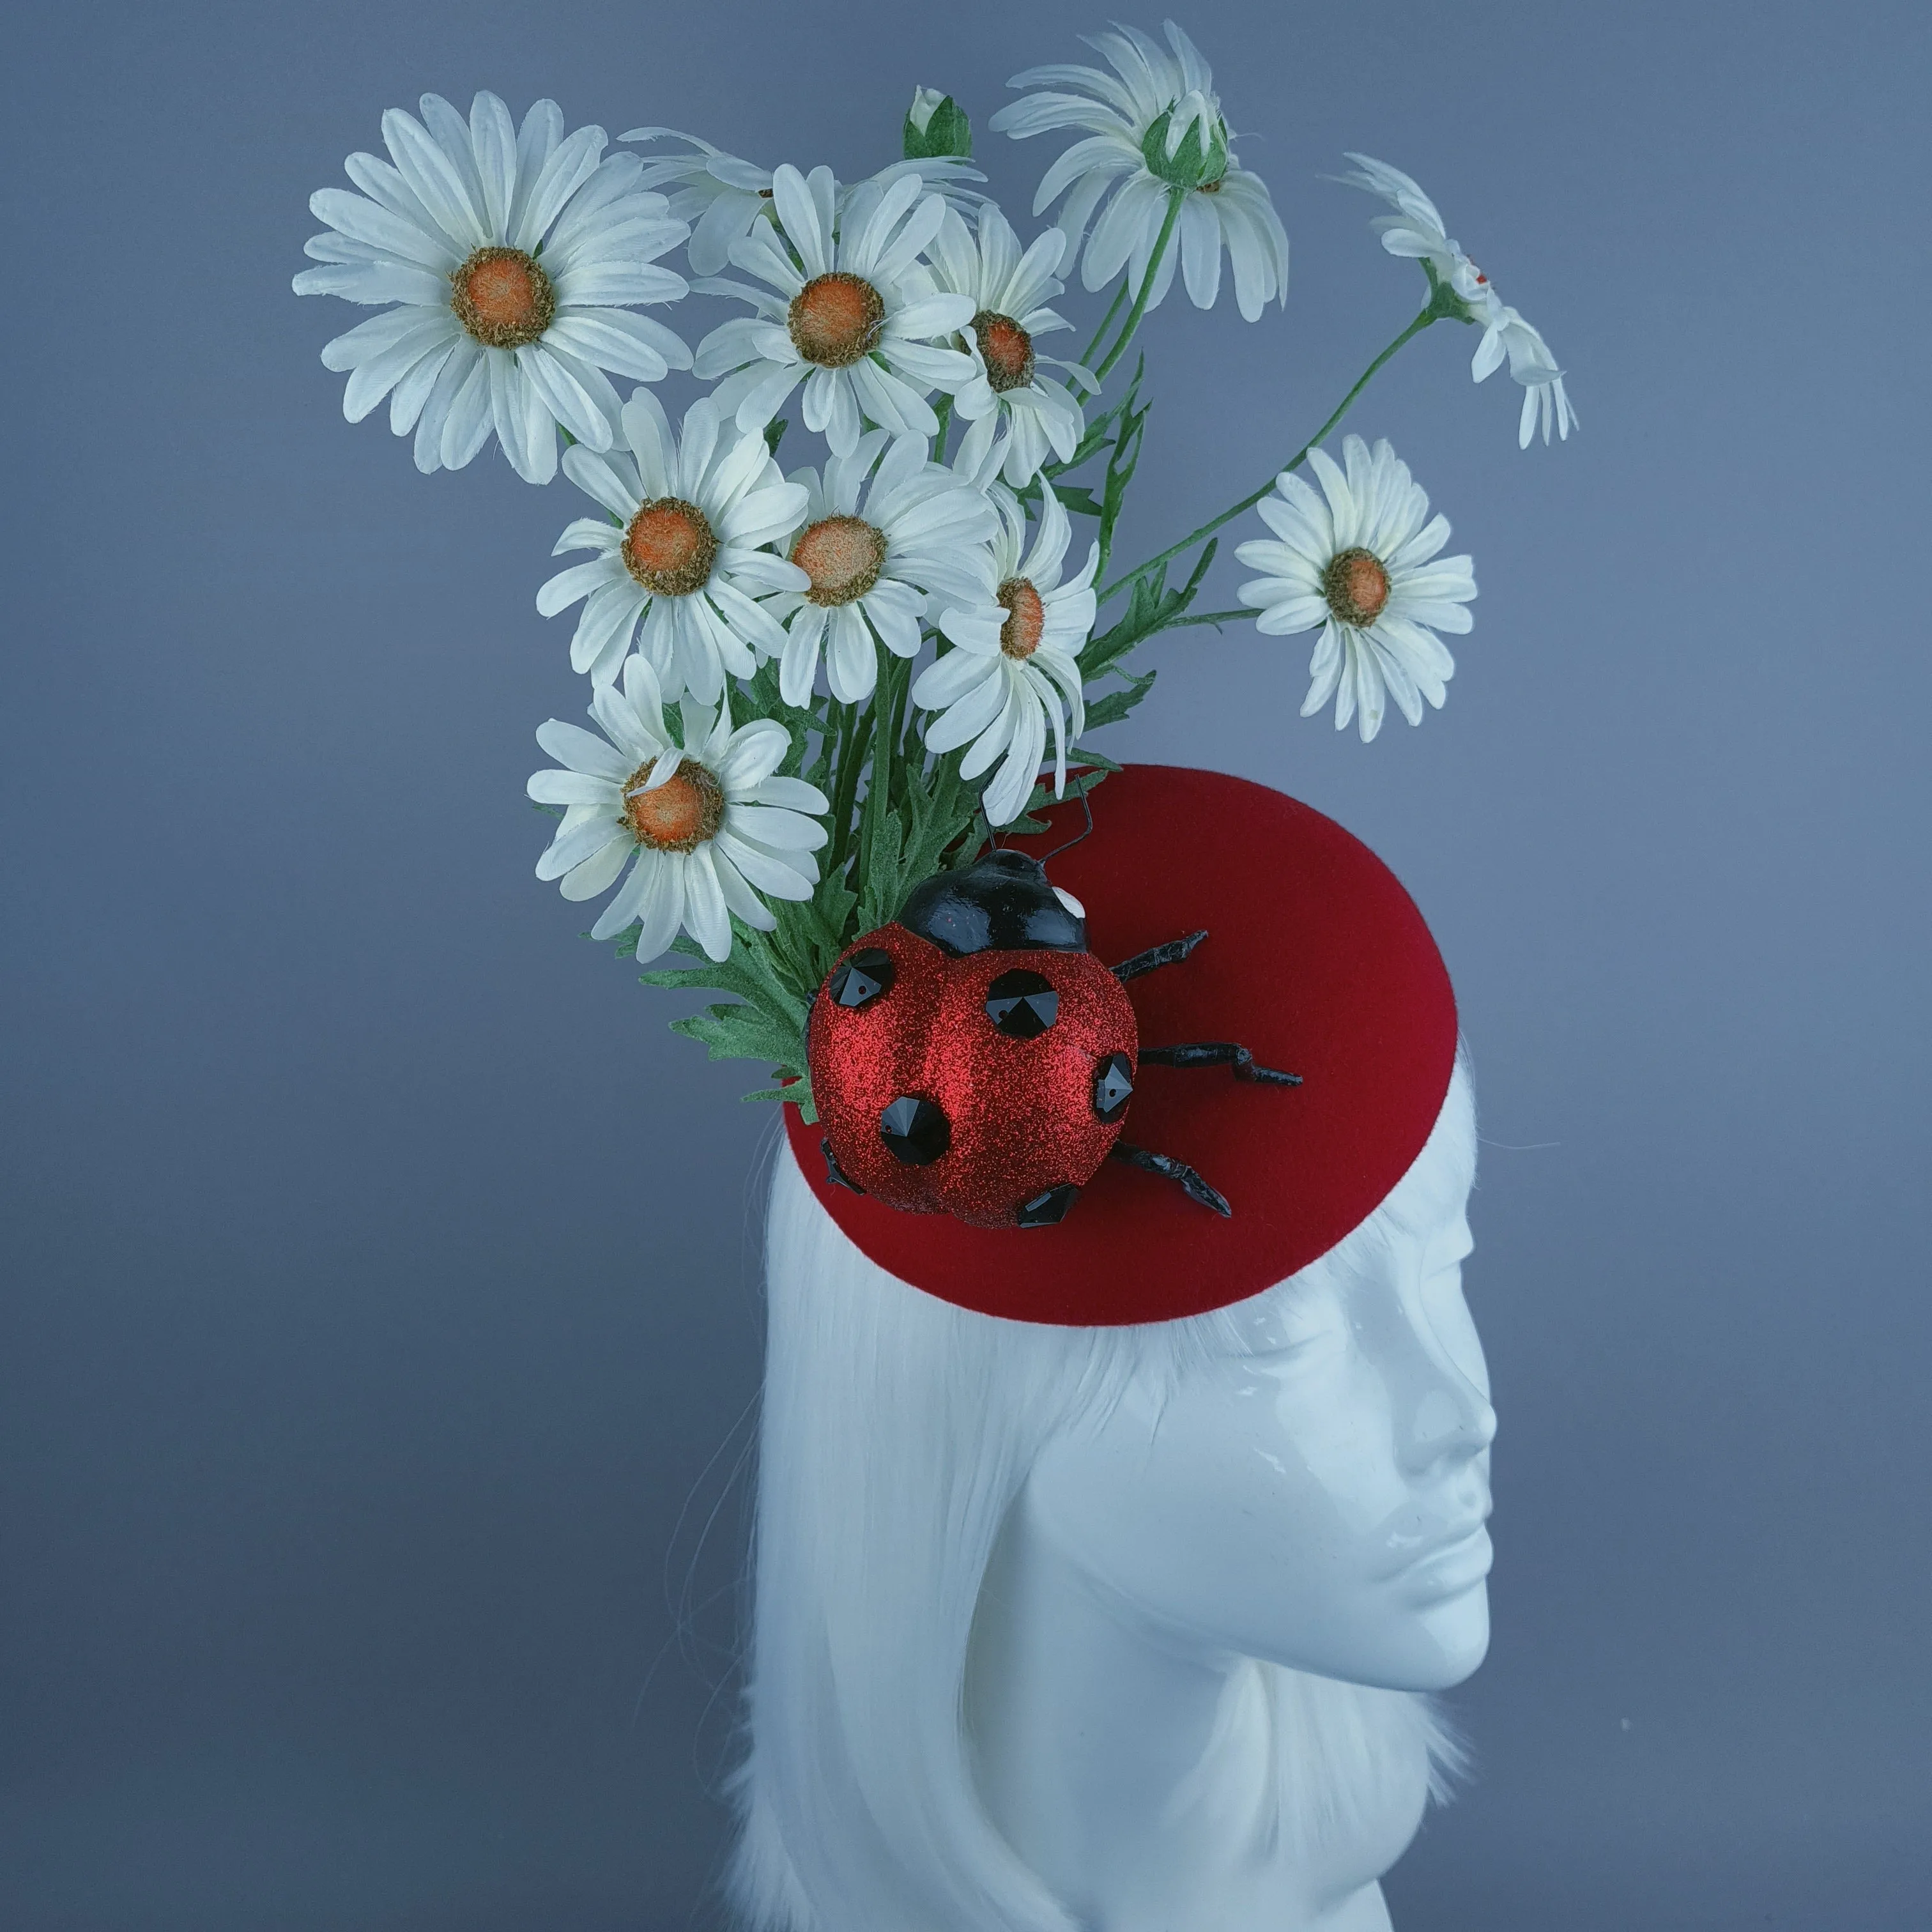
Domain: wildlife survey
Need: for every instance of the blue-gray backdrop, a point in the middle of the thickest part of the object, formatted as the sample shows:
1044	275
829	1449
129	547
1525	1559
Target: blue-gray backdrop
379	1324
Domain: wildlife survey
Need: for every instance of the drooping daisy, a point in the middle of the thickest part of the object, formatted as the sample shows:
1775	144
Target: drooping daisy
1009	291
1157	134
872	555
1362	566
1014	668
856	326
686	554
709	826
1417	232
513	257
723	198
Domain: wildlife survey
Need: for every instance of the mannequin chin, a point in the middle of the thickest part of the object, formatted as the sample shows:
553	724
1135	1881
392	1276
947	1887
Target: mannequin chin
1112	1629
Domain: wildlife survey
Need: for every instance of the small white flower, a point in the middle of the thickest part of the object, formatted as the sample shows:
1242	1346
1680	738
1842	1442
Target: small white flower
724	198
682	550
1417	232
1363	566
1014	668
1157	132
709	825
1008	291
918	530
513	257
855	323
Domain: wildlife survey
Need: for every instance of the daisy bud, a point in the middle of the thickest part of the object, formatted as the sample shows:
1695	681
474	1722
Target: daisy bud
936	127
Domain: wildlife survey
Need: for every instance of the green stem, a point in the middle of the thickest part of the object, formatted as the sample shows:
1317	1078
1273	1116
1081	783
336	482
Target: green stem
1433	313
887	696
1106	323
1204	617
943	409
845	781
1175	199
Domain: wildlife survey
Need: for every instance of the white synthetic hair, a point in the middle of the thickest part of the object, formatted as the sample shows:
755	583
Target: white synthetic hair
897	1432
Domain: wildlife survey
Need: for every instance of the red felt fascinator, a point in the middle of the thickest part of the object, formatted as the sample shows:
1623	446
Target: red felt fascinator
1316	961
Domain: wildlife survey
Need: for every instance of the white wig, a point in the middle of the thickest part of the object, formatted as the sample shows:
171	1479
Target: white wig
897	1432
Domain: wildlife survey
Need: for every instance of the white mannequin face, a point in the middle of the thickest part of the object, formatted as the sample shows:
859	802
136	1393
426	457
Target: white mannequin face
1315	1495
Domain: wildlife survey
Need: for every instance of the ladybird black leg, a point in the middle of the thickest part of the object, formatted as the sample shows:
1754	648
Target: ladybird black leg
1168	1169
1169	953
835	1176
1217	1053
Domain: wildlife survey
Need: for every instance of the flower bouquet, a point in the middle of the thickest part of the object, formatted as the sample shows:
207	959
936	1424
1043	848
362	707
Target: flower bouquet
814	687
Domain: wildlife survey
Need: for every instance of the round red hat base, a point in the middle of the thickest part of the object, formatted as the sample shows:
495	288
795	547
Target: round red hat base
1316	960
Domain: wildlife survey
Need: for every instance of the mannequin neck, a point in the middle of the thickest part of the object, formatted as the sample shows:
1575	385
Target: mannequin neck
1135	1774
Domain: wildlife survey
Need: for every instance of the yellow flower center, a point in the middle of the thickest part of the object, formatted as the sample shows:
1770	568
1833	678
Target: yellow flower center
502	298
1356	584
1026	618
1007	350
681	814
843	555
669	547
836	319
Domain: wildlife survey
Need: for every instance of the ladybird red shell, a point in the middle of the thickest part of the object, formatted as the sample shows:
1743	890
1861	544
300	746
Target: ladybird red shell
1019	1115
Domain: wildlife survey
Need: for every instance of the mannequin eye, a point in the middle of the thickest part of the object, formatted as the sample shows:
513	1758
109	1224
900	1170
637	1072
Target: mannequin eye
1289	1322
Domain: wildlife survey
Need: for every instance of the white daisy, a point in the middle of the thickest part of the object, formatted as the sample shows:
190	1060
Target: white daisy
723	198
1363	566
870	566
1416	232
1014	667
684	554
1009	291
709	825
513	255
1157	134
855	322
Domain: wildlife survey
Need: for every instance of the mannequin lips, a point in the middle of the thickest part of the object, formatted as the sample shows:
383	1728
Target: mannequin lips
1447	1570
1460	1549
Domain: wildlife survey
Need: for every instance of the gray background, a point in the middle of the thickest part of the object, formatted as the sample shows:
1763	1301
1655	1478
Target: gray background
379	1317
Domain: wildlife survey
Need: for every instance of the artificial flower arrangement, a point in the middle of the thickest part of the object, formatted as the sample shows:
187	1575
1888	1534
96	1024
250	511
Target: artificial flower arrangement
815	688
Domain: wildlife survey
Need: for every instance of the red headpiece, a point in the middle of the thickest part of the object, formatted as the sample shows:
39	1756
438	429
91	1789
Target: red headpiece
1316	961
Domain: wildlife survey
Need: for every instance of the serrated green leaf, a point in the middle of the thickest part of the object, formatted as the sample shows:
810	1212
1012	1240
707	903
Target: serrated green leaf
745	1032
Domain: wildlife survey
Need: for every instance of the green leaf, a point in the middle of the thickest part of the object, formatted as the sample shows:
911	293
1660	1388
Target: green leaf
936	127
741	1031
1078	499
1111	707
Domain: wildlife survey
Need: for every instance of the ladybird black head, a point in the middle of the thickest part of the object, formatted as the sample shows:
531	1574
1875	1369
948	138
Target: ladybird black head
1001	903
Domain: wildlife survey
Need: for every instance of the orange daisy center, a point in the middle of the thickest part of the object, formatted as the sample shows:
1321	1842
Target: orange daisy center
1007	349
1026	618
678	815
503	298
843	555
836	319
669	547
1356	584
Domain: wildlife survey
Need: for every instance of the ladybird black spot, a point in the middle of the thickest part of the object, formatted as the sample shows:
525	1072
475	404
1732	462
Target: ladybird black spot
1113	1087
1022	1004
916	1131
1044	1210
860	980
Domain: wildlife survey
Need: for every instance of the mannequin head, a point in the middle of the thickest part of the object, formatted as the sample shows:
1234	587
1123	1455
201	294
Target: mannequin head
1298	1480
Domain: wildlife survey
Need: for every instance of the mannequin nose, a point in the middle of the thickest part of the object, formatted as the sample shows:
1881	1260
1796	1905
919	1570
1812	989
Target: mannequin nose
1451	1420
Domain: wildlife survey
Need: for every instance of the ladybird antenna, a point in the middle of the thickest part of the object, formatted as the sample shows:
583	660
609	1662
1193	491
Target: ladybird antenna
1085	806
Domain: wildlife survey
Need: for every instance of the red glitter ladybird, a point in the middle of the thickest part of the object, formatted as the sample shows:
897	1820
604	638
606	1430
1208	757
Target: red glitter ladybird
973	1058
